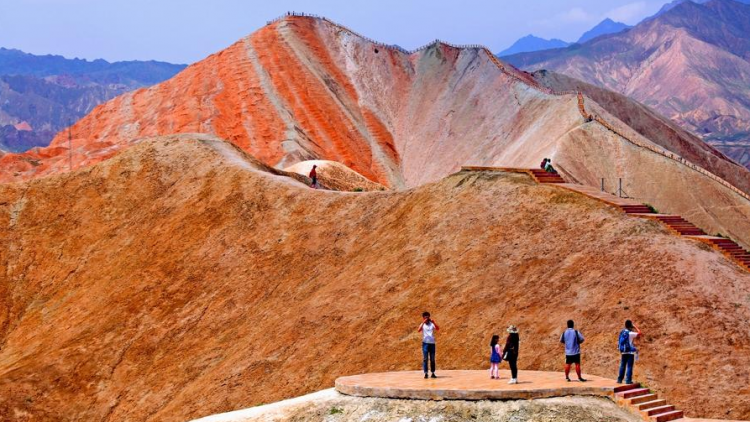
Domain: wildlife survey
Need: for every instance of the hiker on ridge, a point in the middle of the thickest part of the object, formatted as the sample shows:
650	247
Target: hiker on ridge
572	340
548	167
314	177
628	351
428	327
510	353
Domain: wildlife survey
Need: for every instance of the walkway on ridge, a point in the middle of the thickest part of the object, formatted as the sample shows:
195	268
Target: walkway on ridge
674	223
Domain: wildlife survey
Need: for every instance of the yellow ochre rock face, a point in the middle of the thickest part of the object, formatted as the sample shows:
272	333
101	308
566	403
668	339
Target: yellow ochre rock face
184	277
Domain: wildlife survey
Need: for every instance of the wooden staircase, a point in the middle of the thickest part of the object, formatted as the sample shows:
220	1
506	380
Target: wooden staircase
542	176
646	404
675	223
728	247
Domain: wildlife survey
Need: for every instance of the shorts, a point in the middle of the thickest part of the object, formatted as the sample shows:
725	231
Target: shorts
570	359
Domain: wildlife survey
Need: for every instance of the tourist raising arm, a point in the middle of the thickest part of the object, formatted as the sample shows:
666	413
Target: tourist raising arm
428	328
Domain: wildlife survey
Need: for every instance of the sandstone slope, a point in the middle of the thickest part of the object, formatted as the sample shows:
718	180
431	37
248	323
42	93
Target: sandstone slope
181	278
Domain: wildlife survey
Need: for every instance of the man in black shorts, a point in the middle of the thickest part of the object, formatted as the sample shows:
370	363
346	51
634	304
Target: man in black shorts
572	340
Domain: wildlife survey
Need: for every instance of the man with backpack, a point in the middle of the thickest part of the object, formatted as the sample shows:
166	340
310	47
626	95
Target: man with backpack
572	340
628	351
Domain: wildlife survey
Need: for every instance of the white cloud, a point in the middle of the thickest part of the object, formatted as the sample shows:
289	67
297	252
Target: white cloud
575	15
629	13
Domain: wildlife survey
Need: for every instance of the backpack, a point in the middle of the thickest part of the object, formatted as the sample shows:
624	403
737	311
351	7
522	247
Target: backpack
623	343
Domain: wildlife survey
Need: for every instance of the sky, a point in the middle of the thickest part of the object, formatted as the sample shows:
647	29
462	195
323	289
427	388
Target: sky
185	31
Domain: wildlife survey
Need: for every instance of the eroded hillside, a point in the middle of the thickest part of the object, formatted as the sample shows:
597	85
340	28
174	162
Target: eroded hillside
181	279
690	63
304	88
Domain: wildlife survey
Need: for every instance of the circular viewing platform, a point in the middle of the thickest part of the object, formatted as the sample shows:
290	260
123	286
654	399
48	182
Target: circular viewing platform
472	385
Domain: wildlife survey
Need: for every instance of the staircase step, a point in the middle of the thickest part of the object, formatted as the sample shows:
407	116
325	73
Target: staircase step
626	387
643	399
634	392
651	404
658	410
668	416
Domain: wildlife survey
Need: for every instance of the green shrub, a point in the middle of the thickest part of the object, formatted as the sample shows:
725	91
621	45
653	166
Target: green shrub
358	190
335	410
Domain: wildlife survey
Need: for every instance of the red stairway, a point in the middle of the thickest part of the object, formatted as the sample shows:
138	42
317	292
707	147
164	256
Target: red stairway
729	248
542	176
646	404
674	223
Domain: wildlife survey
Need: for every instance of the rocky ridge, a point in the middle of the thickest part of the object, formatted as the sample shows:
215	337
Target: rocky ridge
690	63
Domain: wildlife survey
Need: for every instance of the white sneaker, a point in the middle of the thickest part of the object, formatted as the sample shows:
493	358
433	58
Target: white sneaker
513	381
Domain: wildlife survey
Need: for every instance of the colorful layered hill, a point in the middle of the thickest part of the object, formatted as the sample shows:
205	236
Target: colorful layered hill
183	278
305	88
690	63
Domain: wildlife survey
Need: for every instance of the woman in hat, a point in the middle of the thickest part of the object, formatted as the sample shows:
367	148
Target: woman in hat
510	353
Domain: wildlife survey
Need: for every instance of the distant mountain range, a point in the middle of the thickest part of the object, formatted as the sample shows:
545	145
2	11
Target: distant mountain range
532	43
671	5
39	95
691	63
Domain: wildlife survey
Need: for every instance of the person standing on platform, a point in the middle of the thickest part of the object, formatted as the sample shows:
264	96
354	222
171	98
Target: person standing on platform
628	351
572	340
428	328
510	353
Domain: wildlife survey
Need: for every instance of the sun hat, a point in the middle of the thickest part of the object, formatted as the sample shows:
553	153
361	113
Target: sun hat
512	329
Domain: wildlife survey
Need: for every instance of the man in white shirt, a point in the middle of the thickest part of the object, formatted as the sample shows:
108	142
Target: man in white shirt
428	327
628	351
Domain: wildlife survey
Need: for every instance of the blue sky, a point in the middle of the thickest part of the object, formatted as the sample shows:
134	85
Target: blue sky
185	31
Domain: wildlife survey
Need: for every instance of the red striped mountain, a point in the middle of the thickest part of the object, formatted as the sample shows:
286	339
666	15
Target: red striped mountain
307	89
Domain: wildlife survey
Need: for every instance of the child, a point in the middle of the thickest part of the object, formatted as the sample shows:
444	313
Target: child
495	358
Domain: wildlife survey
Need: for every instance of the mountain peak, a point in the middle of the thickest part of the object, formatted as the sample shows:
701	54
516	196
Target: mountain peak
605	27
531	43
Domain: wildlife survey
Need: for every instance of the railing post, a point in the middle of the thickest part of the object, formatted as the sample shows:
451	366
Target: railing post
602	184
619	191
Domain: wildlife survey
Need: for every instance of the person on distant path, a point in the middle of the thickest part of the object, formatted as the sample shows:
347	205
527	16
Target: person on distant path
314	177
495	357
510	353
628	351
572	340
544	164
428	327
548	167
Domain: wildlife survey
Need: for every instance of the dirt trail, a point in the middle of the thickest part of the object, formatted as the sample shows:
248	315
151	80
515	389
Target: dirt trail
165	285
